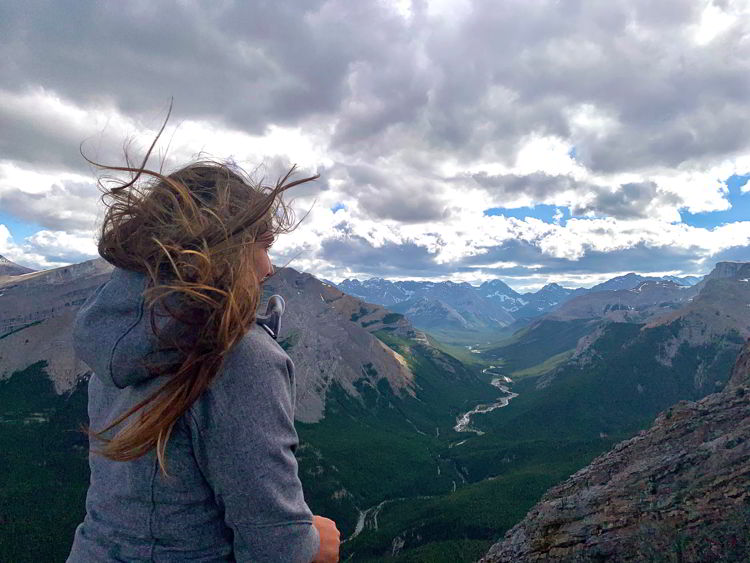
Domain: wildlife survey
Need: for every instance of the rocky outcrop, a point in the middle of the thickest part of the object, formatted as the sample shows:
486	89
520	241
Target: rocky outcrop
679	491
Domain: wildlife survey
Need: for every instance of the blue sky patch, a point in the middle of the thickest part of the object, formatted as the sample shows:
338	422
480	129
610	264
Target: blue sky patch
542	212
19	230
740	210
338	206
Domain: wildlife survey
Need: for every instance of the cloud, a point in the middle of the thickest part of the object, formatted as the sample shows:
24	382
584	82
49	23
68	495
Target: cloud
418	115
64	206
7	247
48	249
633	200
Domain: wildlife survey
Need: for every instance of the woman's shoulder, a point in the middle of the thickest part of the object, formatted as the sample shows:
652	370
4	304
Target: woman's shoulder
255	372
256	350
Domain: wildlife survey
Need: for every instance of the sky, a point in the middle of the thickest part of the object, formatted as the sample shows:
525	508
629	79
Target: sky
532	141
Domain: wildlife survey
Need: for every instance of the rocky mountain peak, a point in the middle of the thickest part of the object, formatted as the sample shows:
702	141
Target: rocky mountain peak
497	285
554	289
8	268
628	281
730	270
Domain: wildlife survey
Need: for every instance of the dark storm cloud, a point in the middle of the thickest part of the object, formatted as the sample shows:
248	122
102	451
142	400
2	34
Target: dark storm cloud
405	207
630	60
640	259
38	142
475	83
626	201
356	253
247	63
637	258
733	254
538	185
533	267
381	194
629	201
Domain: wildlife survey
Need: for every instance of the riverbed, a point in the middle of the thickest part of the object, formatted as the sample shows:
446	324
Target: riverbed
463	422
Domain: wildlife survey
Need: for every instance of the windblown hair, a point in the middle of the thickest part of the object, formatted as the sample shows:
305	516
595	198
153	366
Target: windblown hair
194	233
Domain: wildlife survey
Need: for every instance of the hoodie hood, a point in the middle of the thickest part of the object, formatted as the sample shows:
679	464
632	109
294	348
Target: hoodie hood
112	332
113	335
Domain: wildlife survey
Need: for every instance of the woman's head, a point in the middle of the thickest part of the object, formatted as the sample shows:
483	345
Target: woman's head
204	225
201	236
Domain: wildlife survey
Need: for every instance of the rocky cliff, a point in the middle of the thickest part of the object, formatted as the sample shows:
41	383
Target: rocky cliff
679	491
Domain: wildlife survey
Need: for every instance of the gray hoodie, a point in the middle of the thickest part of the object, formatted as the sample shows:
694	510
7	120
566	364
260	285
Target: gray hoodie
233	493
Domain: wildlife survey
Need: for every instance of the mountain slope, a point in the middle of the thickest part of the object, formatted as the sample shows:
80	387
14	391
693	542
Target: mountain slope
641	302
328	335
678	489
432	313
36	312
8	268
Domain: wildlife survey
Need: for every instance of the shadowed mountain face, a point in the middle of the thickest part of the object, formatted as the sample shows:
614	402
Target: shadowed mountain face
328	335
8	268
677	491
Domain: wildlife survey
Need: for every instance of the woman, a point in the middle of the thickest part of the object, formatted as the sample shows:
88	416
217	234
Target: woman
192	401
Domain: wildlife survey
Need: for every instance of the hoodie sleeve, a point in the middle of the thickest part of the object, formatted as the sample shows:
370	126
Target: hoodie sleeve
244	441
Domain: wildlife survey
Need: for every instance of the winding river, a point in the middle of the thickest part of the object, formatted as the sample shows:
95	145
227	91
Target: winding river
463	422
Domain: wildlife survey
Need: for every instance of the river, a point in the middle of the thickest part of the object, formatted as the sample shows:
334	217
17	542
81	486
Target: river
463	422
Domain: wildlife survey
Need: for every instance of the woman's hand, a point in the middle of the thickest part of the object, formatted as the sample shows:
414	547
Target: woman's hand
329	540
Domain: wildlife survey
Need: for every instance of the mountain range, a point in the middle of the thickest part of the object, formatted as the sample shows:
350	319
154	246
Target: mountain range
379	402
448	308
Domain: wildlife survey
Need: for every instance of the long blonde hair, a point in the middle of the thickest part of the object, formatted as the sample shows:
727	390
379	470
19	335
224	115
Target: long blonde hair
194	233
